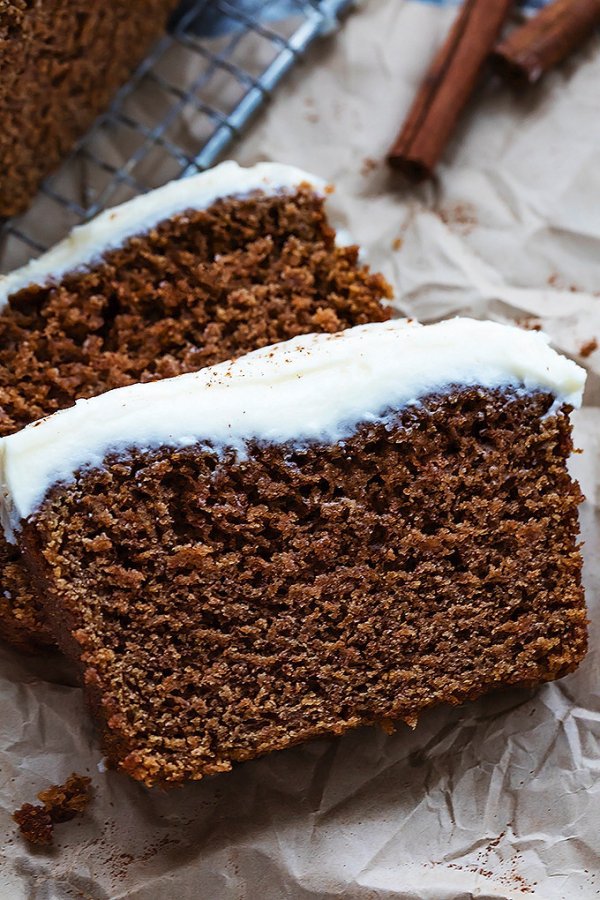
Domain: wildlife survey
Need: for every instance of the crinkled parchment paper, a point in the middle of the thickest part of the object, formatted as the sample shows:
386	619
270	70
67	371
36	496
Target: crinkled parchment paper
499	798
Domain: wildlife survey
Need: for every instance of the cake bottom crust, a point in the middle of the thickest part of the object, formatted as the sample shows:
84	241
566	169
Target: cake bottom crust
222	608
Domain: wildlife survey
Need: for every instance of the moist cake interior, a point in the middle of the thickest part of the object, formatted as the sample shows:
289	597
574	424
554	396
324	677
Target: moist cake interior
51	54
200	288
222	607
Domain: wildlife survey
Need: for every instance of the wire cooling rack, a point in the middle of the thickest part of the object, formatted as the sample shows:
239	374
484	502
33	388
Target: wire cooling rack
187	102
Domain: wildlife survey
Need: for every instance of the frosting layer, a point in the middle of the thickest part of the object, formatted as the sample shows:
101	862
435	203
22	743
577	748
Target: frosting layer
313	388
86	243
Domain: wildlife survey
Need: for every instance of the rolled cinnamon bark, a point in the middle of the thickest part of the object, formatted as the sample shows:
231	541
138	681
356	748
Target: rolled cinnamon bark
447	87
546	39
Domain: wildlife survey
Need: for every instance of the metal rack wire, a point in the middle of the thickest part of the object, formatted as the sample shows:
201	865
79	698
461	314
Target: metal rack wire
188	101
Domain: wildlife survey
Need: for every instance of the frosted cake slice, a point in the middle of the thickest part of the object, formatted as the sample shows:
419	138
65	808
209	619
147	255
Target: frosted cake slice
186	276
334	531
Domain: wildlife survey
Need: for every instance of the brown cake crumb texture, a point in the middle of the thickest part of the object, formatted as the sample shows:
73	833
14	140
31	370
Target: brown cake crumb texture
60	803
221	609
51	89
197	290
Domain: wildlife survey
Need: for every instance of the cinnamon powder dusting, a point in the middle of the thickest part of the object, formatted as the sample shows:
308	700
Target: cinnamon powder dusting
588	348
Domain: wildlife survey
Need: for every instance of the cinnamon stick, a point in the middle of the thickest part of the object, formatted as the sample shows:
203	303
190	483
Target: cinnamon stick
546	39
447	87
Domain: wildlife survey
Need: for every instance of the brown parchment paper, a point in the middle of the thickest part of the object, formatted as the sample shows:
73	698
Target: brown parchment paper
497	799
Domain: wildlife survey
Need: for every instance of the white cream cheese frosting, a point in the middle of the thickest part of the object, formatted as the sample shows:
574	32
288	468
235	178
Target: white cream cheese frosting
312	388
109	230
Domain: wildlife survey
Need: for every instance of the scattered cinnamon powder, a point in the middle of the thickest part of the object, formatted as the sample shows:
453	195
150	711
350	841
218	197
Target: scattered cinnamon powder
530	323
368	165
588	348
60	802
460	216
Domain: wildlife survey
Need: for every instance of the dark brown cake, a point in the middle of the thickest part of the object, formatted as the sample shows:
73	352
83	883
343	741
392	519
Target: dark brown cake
221	606
198	289
60	63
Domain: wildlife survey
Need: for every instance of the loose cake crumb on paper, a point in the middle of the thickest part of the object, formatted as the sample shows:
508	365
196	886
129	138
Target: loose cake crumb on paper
59	803
34	824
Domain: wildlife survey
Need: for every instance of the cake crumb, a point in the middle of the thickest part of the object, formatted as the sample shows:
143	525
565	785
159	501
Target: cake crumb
59	803
34	824
588	348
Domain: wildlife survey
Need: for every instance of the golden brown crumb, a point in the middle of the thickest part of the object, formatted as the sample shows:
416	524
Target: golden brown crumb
64	801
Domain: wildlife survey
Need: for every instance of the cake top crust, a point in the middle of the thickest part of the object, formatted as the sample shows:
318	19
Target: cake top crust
109	230
315	388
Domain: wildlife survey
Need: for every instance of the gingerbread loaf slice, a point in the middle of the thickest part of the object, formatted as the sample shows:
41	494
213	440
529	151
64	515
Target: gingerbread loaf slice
336	531
189	275
61	61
